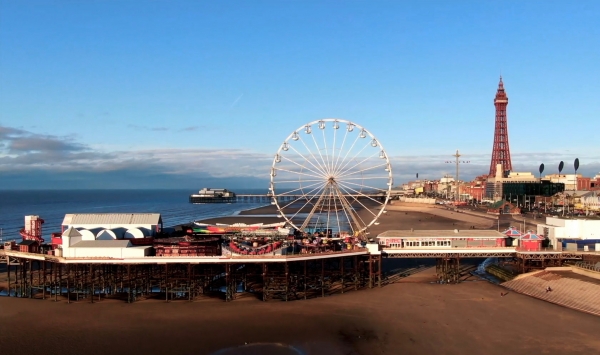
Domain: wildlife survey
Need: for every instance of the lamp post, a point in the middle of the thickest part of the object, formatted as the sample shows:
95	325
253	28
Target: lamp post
560	167
457	162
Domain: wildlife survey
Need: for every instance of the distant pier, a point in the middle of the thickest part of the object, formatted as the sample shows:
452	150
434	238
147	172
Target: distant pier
266	198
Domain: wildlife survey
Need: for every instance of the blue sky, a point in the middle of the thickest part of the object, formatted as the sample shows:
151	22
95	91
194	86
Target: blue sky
175	93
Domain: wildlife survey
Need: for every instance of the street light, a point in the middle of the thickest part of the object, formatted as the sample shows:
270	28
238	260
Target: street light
457	162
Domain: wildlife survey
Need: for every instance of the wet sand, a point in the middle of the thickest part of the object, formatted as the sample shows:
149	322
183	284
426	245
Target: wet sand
402	318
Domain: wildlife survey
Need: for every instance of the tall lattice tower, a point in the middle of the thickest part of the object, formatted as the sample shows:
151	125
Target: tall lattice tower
501	150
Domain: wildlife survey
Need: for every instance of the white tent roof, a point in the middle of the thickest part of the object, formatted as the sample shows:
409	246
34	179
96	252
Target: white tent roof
71	232
112	218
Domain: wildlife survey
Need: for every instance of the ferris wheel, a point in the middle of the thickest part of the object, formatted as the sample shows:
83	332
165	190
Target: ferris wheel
331	176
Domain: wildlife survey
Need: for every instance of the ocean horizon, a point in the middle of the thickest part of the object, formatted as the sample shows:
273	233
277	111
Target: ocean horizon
52	205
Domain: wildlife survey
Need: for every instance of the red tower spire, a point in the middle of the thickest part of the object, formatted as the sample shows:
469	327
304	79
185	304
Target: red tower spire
501	150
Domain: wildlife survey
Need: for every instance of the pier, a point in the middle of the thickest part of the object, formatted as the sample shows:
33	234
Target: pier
284	277
266	198
184	278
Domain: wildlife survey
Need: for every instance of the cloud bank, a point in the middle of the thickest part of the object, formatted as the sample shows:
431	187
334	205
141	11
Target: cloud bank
30	160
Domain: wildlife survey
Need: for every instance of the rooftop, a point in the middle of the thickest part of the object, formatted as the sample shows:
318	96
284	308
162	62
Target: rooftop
112	218
452	233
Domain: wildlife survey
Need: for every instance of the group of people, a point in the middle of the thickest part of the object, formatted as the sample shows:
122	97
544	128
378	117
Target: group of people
325	243
307	243
254	247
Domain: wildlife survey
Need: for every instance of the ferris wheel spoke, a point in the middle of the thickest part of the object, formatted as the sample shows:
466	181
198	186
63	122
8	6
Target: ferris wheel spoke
318	168
312	211
304	167
363	178
337	217
328	213
308	200
320	154
361	171
356	165
341	149
300	188
299	181
361	193
304	195
347	217
363	186
313	156
340	163
297	172
357	201
326	152
291	219
354	157
333	147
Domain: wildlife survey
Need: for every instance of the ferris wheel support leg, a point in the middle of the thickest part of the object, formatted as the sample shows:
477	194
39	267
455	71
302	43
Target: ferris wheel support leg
312	212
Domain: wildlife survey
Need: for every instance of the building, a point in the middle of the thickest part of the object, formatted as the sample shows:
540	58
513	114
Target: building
73	246
595	183
113	235
571	182
503	207
589	202
475	189
446	186
493	185
524	193
114	225
531	241
29	246
513	235
519	187
560	231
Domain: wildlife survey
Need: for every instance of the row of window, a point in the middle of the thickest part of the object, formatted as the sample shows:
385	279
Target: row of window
437	243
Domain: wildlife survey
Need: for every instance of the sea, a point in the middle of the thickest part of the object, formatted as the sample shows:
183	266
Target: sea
52	205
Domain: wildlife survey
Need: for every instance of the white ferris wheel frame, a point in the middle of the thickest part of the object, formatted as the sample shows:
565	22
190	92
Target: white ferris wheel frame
321	125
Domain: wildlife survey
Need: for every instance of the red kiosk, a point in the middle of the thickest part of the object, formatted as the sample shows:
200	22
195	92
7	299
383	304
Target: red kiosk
531	241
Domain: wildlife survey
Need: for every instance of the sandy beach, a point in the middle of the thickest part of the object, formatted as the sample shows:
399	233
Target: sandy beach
403	318
413	316
398	216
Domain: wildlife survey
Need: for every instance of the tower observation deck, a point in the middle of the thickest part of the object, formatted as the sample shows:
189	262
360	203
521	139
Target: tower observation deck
501	149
